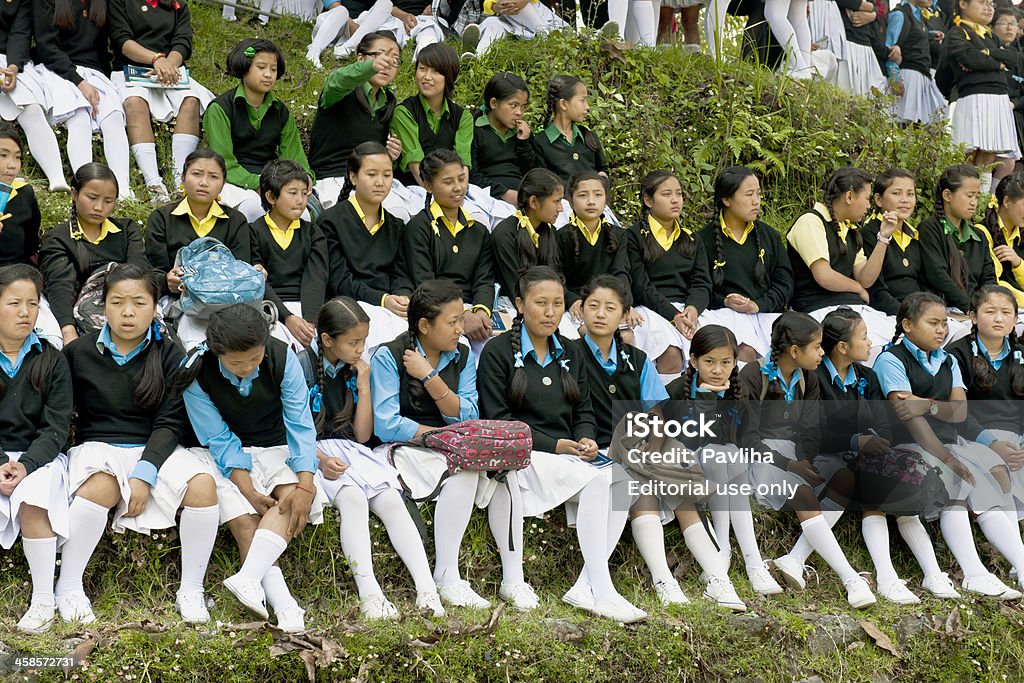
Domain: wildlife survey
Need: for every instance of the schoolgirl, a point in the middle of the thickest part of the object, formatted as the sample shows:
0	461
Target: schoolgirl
35	414
357	98
903	267
710	386
784	421
364	245
347	24
248	403
71	42
925	384
293	252
860	72
353	478
751	278
983	116
426	379
24	99
1004	219
502	150
506	19
157	36
918	99
72	251
668	272
530	359
250	127
787	20
442	241
830	268
1006	28
567	147
129	422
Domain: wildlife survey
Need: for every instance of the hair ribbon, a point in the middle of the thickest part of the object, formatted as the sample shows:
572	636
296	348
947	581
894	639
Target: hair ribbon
519	360
564	362
315	399
200	349
250	52
993	202
625	358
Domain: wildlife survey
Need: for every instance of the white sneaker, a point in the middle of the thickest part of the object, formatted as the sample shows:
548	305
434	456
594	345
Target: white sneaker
291	620
377	607
721	590
792	572
249	592
618	609
761	580
520	595
430	600
192	607
990	585
580	596
669	593
38	618
158	195
858	592
897	592
461	594
75	607
941	586
314	59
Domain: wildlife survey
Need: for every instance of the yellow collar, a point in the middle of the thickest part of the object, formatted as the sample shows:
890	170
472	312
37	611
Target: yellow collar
204	225
983	31
362	216
1012	236
525	223
436	212
664	238
107	228
282	237
15	185
577	222
728	233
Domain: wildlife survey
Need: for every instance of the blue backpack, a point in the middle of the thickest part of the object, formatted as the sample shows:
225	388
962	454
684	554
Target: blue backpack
213	279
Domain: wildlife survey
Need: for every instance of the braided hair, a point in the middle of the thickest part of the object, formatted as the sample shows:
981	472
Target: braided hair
574	185
838	326
564	88
727	184
233	329
38	366
790	329
685	244
539	184
355	163
519	384
149	386
426	303
952	179
336	317
705	340
984	376
846	179
82	177
432	165
621	290
1010	188
912	308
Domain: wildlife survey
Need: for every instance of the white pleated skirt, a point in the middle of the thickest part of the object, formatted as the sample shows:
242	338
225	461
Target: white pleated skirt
881	327
985	122
921	101
63	98
754	330
365	470
859	73
483	207
555	479
164	103
421	469
826	23
28	90
1016	478
46	488
656	335
385	326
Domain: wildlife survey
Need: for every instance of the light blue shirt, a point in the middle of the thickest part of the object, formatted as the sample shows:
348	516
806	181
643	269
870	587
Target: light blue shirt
105	342
526	344
388	422
841	383
31	341
996	362
651	388
225	446
893	377
694	389
771	370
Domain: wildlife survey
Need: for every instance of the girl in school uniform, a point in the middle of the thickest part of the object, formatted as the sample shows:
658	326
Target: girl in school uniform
347	24
860	72
443	242
364	245
1004	219
926	386
248	402
157	37
250	127
426	121
784	420
72	251
903	268
566	146
531	360
357	98
24	96
127	457
355	480
668	271
830	268
35	414
502	150
71	42
918	99
983	116
751	278
293	252
710	386
426	379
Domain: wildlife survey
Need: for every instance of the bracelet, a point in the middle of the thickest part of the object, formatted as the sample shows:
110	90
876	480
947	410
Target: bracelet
158	55
303	488
432	375
443	396
884	240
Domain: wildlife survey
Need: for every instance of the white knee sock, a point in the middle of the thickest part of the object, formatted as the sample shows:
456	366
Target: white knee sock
375	17
643	13
917	539
42	143
274	587
801	27
714	25
819	535
451	517
198	531
591	520
79	139
266	547
41	554
1005	536
328	28
776	13
618	11
743	530
115	149
831	512
88	520
956	529
405	537
265	6
703	550
649	537
182	144
355	539
145	157
875	529
505	512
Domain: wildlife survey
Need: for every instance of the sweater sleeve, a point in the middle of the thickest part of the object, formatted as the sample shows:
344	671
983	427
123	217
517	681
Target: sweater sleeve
156	247
962	51
239	241
344	80
181	39
881	418
48	42
314	277
119	27
483	275
464	138
751	380
645	293
56	419
416	243
170	414
935	250
60	273
698	293
19	40
780	290
810	419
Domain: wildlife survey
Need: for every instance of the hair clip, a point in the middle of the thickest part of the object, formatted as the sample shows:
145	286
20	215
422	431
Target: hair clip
200	349
519	360
719	264
249	52
1018	356
564	362
993	202
157	336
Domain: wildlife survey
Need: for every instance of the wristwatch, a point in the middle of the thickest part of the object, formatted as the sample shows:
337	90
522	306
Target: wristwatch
933	407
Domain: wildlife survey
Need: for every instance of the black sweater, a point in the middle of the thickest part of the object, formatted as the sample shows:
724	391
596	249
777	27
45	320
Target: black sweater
936	245
581	261
903	272
159	28
508	266
854	411
19	238
298	273
32	423
672	277
16	32
614	395
499	164
565	160
431	252
67	262
737	263
105	403
997	408
773	418
977	62
61	50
